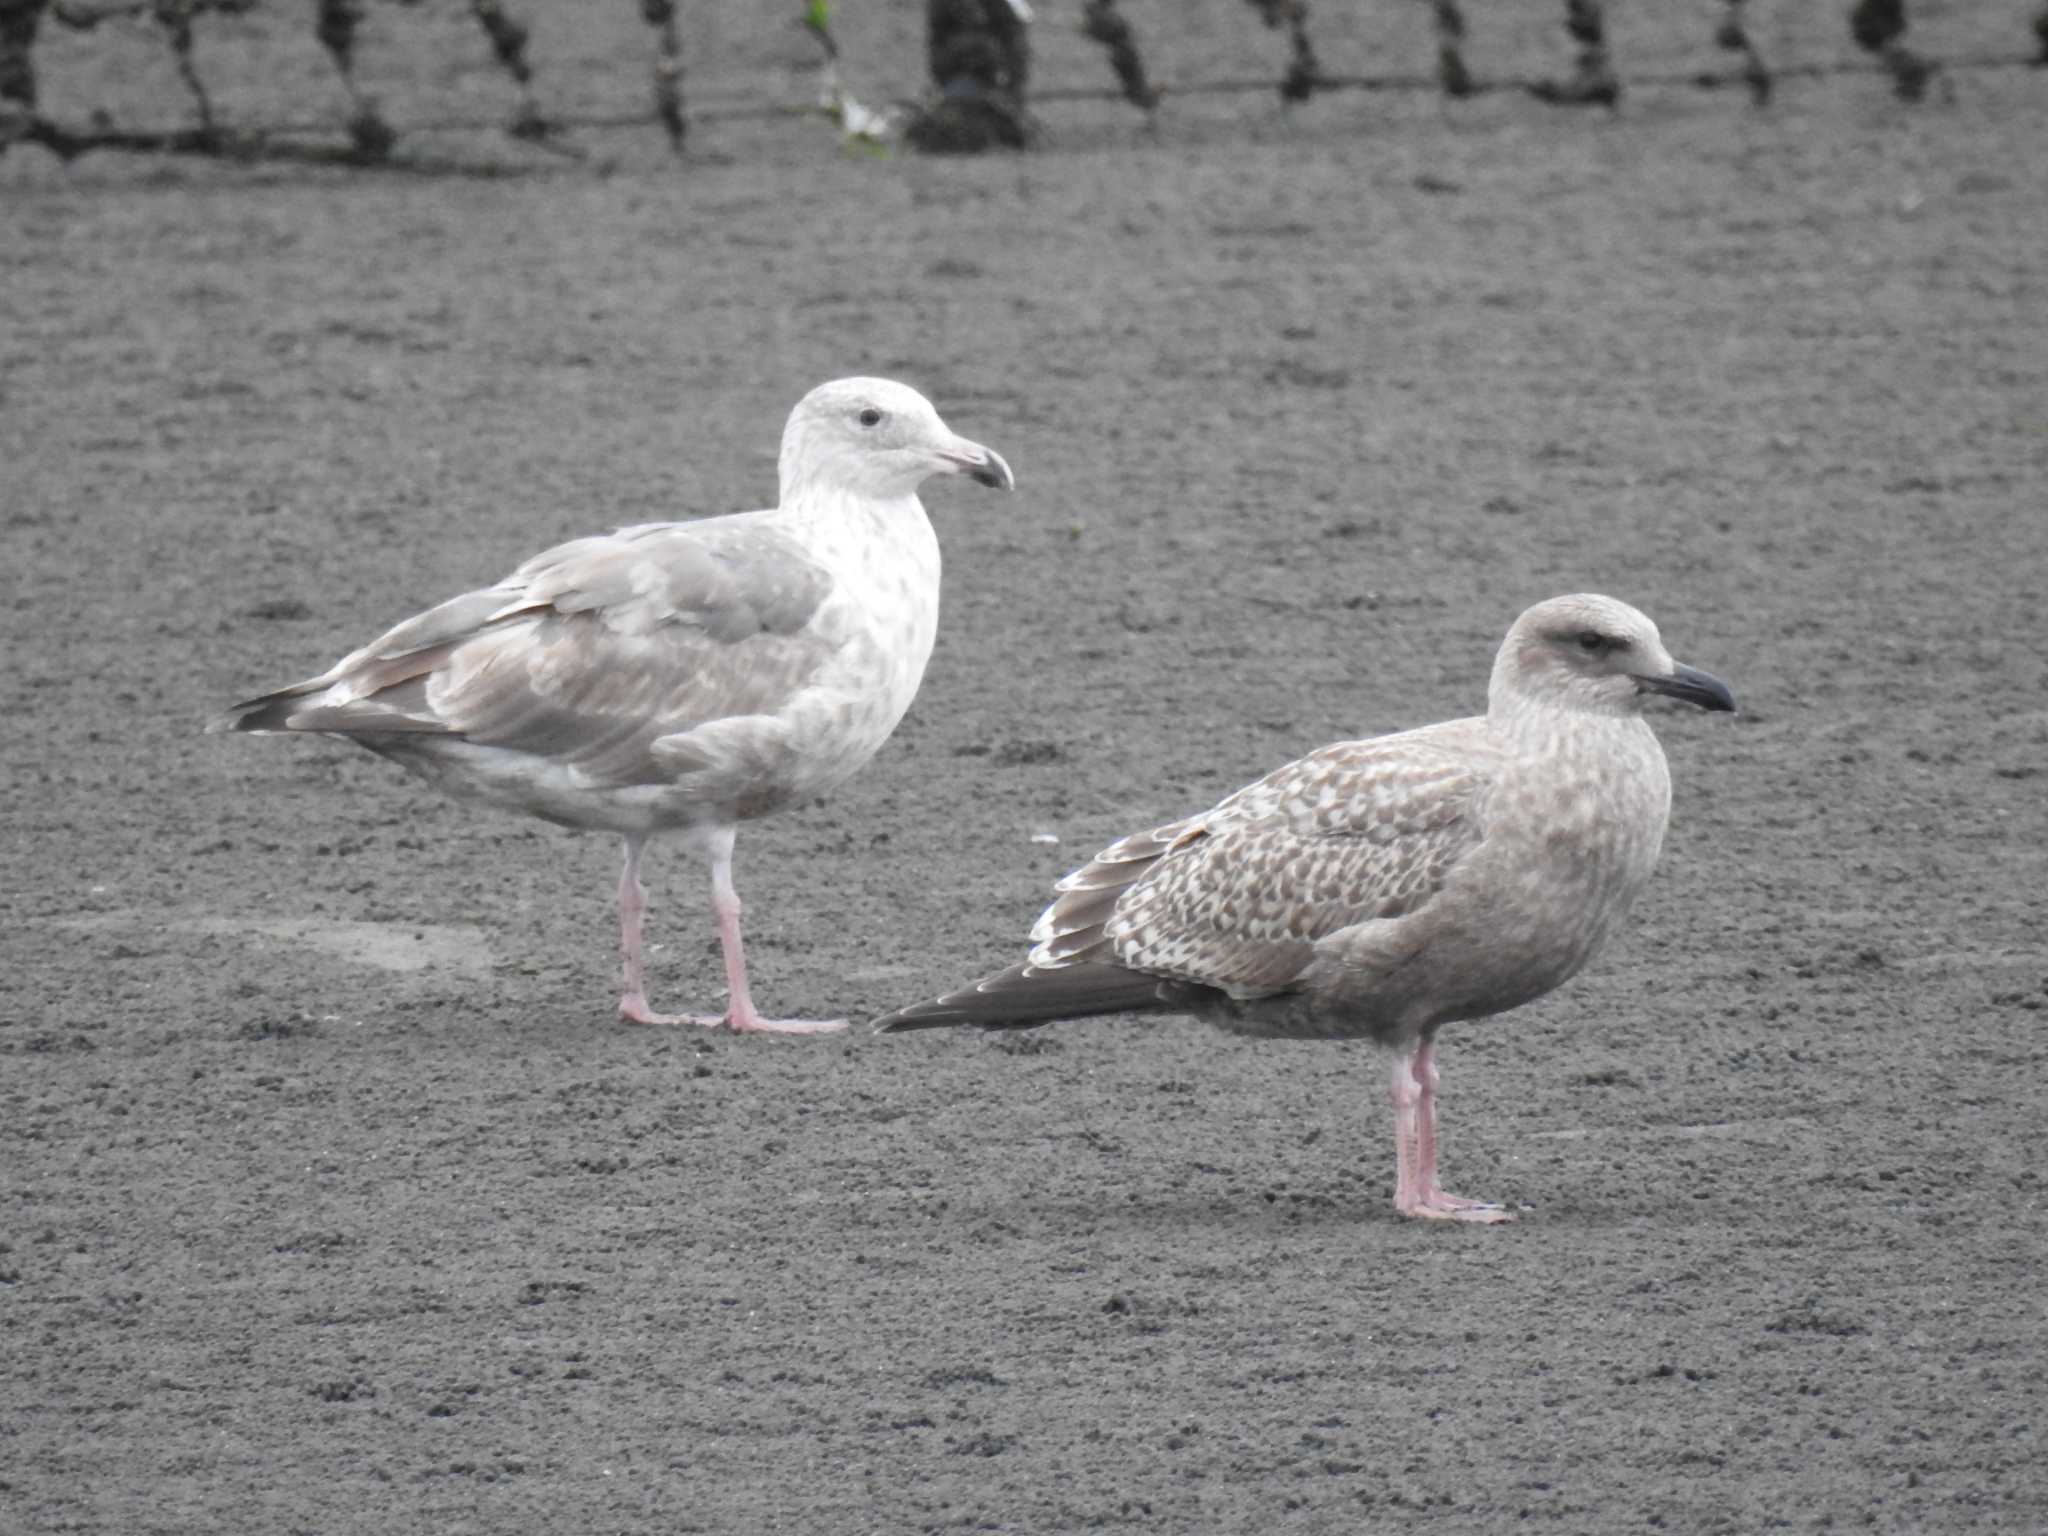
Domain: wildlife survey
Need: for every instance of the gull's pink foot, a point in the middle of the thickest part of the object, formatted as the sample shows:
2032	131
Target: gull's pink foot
756	1025
1415	1188
740	1018
1439	1206
636	1010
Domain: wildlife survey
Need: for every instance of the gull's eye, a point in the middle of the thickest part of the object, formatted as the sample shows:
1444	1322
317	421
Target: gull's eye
869	416
1592	642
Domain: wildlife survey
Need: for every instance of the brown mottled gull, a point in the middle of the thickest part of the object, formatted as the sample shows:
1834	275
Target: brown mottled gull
1384	888
678	677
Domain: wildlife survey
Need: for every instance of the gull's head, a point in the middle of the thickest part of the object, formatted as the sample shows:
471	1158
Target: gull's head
1596	654
875	437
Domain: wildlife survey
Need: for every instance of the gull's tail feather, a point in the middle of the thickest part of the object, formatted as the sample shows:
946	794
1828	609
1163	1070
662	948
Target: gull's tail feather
398	711
271	712
1024	996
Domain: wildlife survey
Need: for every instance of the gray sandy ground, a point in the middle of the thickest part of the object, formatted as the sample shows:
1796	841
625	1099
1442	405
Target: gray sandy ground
335	1198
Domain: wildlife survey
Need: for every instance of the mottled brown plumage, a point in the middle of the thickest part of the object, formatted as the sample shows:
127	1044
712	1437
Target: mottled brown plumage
1381	889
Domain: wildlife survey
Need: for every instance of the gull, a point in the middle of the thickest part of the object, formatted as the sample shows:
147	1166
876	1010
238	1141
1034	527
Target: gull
1381	889
678	677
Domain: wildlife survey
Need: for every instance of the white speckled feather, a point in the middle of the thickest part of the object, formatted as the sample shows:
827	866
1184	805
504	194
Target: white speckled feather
668	673
677	676
1385	887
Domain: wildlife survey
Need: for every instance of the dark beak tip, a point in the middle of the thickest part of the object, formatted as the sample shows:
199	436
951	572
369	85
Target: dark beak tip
995	474
1692	686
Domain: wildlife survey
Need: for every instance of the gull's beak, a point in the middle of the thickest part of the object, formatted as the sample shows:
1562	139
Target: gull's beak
1690	684
982	465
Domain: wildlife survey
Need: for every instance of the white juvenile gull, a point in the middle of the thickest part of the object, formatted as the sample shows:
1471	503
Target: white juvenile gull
1384	888
678	677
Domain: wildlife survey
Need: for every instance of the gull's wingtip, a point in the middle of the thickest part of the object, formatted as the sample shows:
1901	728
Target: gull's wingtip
245	716
1024	996
935	1013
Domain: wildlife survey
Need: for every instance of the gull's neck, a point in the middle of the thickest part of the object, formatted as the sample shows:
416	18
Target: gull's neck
1594	781
848	528
1538	718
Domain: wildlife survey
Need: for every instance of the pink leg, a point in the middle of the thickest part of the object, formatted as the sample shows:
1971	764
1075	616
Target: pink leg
632	913
1416	1192
741	1017
725	906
